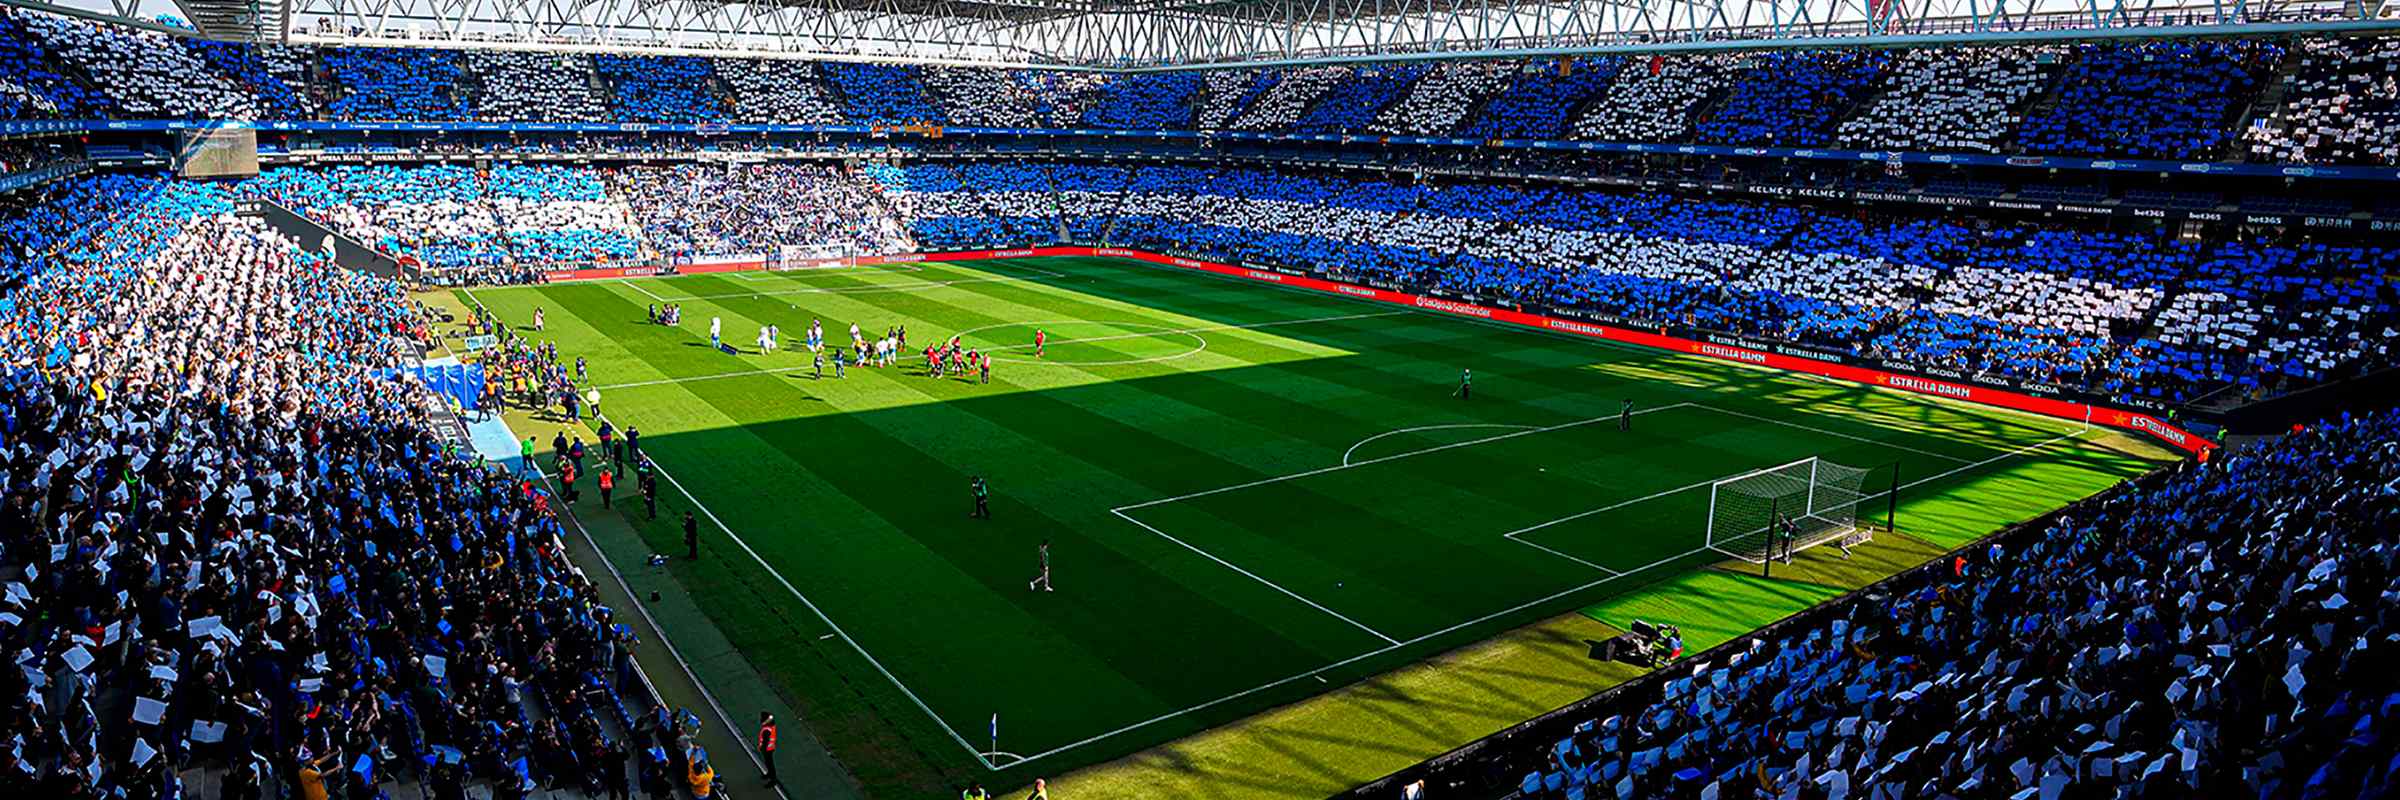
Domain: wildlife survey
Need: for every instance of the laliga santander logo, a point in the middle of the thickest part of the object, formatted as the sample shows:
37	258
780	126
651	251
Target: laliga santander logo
1454	308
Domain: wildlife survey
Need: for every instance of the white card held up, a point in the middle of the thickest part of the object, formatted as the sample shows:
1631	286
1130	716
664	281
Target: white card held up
149	712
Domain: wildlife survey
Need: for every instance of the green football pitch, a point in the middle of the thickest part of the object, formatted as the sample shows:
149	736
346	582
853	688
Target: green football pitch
1251	495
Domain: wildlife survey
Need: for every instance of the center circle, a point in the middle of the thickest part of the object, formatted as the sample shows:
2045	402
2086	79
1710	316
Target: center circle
1014	344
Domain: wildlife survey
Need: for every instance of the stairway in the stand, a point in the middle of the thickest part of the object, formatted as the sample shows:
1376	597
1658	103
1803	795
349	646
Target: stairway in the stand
236	20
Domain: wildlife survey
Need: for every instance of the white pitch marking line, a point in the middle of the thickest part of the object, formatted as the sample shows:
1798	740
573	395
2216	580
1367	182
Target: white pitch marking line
891	287
1545	549
1144	334
672	652
1392	457
1254	576
1943	456
1363	442
637	286
812	607
770	370
1320	671
1612	507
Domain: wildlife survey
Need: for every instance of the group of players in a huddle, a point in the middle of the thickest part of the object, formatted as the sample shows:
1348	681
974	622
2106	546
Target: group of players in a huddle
942	359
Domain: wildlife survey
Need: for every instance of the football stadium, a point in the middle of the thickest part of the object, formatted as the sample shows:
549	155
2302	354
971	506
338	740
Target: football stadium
1266	399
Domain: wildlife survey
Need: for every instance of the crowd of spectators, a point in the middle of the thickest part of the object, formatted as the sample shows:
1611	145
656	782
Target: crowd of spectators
777	92
1653	100
1792	99
1157	101
661	88
32	85
385	84
1541	98
452	216
2225	629
276	75
1280	105
1950	100
147	75
2178	99
2343	107
882	94
1226	93
708	209
527	86
1352	102
1435	104
2062	305
234	541
971	205
984	97
2170	99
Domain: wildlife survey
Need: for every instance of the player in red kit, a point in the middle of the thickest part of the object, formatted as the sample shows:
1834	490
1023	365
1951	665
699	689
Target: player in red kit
1038	338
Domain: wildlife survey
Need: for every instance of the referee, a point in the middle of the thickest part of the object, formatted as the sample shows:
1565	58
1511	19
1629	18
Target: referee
983	499
1625	415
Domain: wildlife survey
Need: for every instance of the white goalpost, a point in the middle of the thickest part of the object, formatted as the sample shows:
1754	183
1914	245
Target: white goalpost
1782	510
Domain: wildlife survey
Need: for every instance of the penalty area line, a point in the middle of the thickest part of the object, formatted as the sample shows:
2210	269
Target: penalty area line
1393	457
1319	672
1253	576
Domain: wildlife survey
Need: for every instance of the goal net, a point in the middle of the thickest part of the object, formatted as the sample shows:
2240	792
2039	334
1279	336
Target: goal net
1780	511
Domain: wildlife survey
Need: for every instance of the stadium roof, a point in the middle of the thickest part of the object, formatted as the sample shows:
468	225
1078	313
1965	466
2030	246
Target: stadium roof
1151	33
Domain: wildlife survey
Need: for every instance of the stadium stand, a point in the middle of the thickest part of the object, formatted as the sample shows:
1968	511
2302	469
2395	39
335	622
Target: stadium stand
455	216
1225	94
754	209
217	495
1653	100
519	85
1146	101
882	94
262	535
2208	630
1281	104
275	75
385	85
1351	103
662	88
1958	100
983	96
1541	99
777	92
1436	103
32	83
2150	99
1061	99
1792	99
2343	108
148	75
